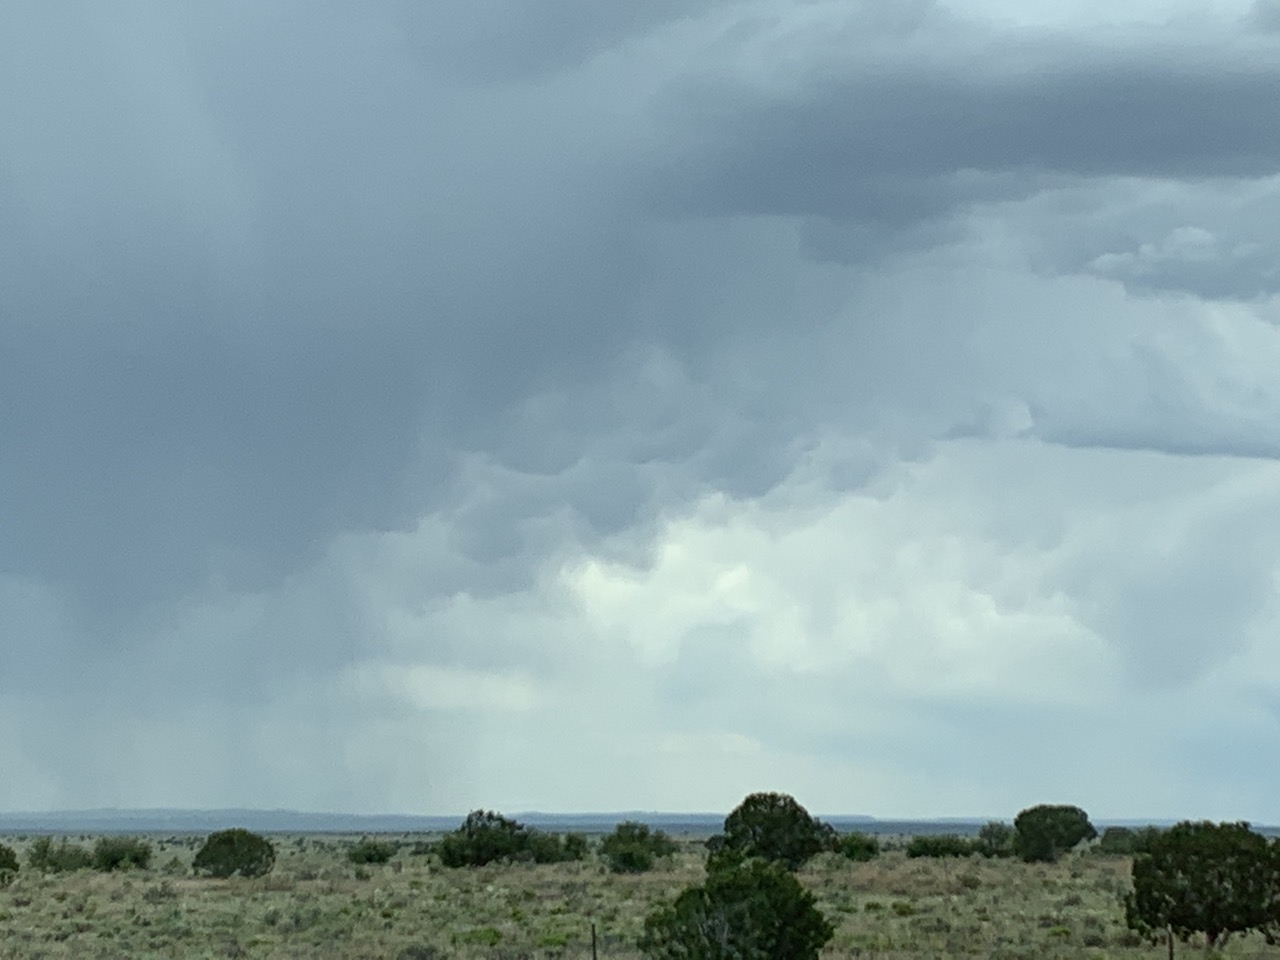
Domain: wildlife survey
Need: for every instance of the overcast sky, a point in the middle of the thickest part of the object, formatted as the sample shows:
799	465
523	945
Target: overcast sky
573	405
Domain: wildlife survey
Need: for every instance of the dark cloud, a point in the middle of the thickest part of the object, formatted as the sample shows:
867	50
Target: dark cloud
910	139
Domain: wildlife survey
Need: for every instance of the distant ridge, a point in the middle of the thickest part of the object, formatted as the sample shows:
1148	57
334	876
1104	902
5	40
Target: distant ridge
174	821
296	821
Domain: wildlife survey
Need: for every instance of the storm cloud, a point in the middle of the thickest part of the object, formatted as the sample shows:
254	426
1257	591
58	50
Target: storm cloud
411	409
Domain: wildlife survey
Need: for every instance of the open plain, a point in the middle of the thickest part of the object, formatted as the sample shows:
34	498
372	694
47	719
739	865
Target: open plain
317	904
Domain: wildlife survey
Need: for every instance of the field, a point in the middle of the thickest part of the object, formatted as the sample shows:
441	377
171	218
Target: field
316	904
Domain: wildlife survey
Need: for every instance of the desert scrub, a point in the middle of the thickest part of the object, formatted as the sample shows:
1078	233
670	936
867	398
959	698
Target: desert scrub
114	916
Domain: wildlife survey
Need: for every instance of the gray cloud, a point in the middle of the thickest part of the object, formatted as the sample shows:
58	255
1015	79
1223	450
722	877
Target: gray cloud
336	340
911	140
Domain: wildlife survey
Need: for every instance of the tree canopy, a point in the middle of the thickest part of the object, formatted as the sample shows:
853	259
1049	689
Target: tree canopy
1044	833
634	848
229	852
754	910
774	827
1210	878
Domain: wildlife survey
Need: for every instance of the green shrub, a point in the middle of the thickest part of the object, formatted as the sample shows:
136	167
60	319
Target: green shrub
1126	842
771	826
858	847
371	851
121	853
634	848
1044	833
995	839
62	857
939	845
575	847
235	851
486	837
8	865
755	909
555	848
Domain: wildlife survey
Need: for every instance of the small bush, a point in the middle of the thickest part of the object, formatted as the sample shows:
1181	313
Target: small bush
371	851
995	839
939	845
235	851
858	847
62	857
634	848
121	853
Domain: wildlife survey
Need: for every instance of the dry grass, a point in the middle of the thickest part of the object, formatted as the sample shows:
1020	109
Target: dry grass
317	905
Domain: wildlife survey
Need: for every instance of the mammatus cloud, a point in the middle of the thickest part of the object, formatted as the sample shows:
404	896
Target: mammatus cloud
414	411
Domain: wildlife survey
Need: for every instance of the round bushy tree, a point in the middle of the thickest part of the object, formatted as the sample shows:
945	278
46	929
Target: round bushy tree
774	827
634	848
1044	833
1211	878
754	910
235	851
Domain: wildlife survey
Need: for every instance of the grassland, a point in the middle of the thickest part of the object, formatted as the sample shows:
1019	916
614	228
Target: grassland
316	904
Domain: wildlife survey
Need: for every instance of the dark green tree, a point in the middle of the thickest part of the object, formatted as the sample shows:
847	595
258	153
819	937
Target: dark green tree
236	851
1044	833
543	847
771	826
485	836
634	848
754	910
8	865
1210	878
1126	841
121	853
939	845
575	846
371	851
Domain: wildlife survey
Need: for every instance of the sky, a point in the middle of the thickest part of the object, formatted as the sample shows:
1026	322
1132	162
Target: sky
567	406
